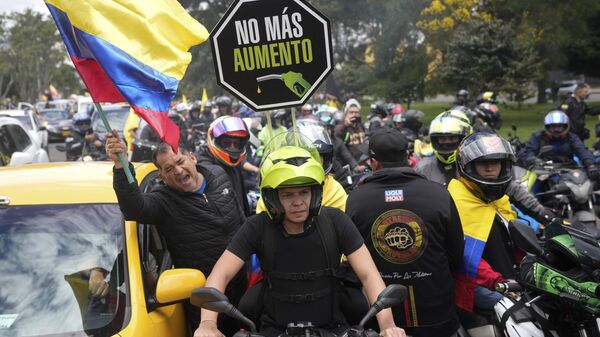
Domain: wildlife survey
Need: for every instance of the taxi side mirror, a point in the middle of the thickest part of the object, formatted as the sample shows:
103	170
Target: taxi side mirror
176	285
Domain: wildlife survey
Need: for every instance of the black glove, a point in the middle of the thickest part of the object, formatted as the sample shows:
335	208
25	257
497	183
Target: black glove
593	172
537	162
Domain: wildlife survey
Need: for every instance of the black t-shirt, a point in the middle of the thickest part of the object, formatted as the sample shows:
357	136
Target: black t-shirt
297	253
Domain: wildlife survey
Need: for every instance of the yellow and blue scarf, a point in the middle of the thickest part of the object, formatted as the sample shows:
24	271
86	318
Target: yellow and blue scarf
477	218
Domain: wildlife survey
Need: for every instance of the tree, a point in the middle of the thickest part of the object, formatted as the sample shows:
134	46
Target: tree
488	55
33	56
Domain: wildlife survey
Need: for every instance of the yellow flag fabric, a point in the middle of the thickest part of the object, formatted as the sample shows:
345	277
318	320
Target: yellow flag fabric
164	30
477	216
204	98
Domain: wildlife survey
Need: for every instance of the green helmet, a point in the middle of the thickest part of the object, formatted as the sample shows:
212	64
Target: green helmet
448	123
290	161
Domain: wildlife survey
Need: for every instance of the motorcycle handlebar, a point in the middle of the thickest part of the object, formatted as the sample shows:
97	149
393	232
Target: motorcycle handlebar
507	287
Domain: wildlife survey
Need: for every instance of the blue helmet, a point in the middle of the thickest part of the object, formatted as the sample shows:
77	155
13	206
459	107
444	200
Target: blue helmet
82	122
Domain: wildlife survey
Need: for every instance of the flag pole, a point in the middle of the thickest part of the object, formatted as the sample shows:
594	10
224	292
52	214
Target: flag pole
122	158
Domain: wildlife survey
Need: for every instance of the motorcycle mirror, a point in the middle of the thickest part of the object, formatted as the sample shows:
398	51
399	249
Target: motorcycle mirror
524	237
214	300
513	127
392	295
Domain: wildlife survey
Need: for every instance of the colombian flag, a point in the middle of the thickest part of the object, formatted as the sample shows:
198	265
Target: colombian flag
133	51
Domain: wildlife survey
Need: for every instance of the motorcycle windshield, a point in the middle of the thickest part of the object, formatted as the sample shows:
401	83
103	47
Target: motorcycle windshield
47	254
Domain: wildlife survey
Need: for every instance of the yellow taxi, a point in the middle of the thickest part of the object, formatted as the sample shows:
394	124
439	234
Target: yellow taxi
72	266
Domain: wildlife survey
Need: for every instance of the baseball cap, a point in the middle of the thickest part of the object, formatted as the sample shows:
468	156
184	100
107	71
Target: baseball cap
388	146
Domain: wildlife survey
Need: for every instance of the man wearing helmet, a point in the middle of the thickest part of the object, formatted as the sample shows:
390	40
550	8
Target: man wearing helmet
411	227
462	98
410	123
289	239
484	161
84	136
334	194
194	208
446	131
224	105
378	116
575	108
487	118
564	144
226	139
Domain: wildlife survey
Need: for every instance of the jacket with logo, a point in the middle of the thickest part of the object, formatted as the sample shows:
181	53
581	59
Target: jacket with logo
413	231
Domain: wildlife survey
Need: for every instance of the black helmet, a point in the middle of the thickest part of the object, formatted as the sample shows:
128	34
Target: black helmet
223	101
490	114
319	137
462	92
485	146
379	108
196	106
411	118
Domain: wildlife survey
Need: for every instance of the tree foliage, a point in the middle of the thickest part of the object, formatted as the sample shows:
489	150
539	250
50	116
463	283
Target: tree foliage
33	57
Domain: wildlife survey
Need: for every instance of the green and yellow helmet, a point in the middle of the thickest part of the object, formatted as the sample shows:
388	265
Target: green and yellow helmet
290	160
448	123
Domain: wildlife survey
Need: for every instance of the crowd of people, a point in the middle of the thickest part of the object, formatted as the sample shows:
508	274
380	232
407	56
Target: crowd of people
344	200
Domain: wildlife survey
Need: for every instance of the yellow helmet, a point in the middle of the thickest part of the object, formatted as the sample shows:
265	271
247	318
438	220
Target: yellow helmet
290	160
448	124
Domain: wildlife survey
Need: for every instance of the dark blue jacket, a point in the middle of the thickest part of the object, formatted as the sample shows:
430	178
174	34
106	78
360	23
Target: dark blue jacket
562	148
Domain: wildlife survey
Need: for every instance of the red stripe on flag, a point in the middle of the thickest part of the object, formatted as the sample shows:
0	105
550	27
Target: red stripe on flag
101	88
161	124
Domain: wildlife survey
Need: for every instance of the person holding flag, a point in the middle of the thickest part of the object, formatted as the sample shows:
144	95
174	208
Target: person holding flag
137	52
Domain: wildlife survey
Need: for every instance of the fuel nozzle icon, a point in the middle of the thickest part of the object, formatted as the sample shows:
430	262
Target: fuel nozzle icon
293	80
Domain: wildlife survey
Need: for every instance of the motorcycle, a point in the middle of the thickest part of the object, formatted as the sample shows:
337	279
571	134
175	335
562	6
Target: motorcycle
559	282
570	194
198	140
77	148
514	139
213	299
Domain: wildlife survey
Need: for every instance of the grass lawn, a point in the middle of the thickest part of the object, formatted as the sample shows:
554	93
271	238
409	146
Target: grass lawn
528	119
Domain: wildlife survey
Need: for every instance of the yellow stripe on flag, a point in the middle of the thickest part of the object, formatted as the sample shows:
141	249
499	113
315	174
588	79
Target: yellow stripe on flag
157	33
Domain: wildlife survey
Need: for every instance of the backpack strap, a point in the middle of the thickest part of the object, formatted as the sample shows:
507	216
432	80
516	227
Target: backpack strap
329	238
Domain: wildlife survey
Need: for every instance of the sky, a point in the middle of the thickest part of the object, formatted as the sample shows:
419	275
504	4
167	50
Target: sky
21	5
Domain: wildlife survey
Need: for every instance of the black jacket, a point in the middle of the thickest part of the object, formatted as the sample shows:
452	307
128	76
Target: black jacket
413	231
197	227
235	178
576	111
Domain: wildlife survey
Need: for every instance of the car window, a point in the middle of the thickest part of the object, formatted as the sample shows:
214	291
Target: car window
55	115
20	137
25	120
7	145
116	119
47	259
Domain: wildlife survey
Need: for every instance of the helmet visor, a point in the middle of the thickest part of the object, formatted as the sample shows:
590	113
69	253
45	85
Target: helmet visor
485	147
290	138
228	125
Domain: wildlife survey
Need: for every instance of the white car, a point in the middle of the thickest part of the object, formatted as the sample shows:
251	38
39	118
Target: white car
31	123
17	146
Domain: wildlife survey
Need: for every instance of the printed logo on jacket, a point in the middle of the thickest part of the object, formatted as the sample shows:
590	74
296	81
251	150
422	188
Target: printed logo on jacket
399	236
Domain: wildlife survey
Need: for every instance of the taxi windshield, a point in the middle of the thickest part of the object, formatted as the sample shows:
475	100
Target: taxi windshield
47	256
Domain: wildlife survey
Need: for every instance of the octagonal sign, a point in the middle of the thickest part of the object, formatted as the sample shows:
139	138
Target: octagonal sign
272	53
